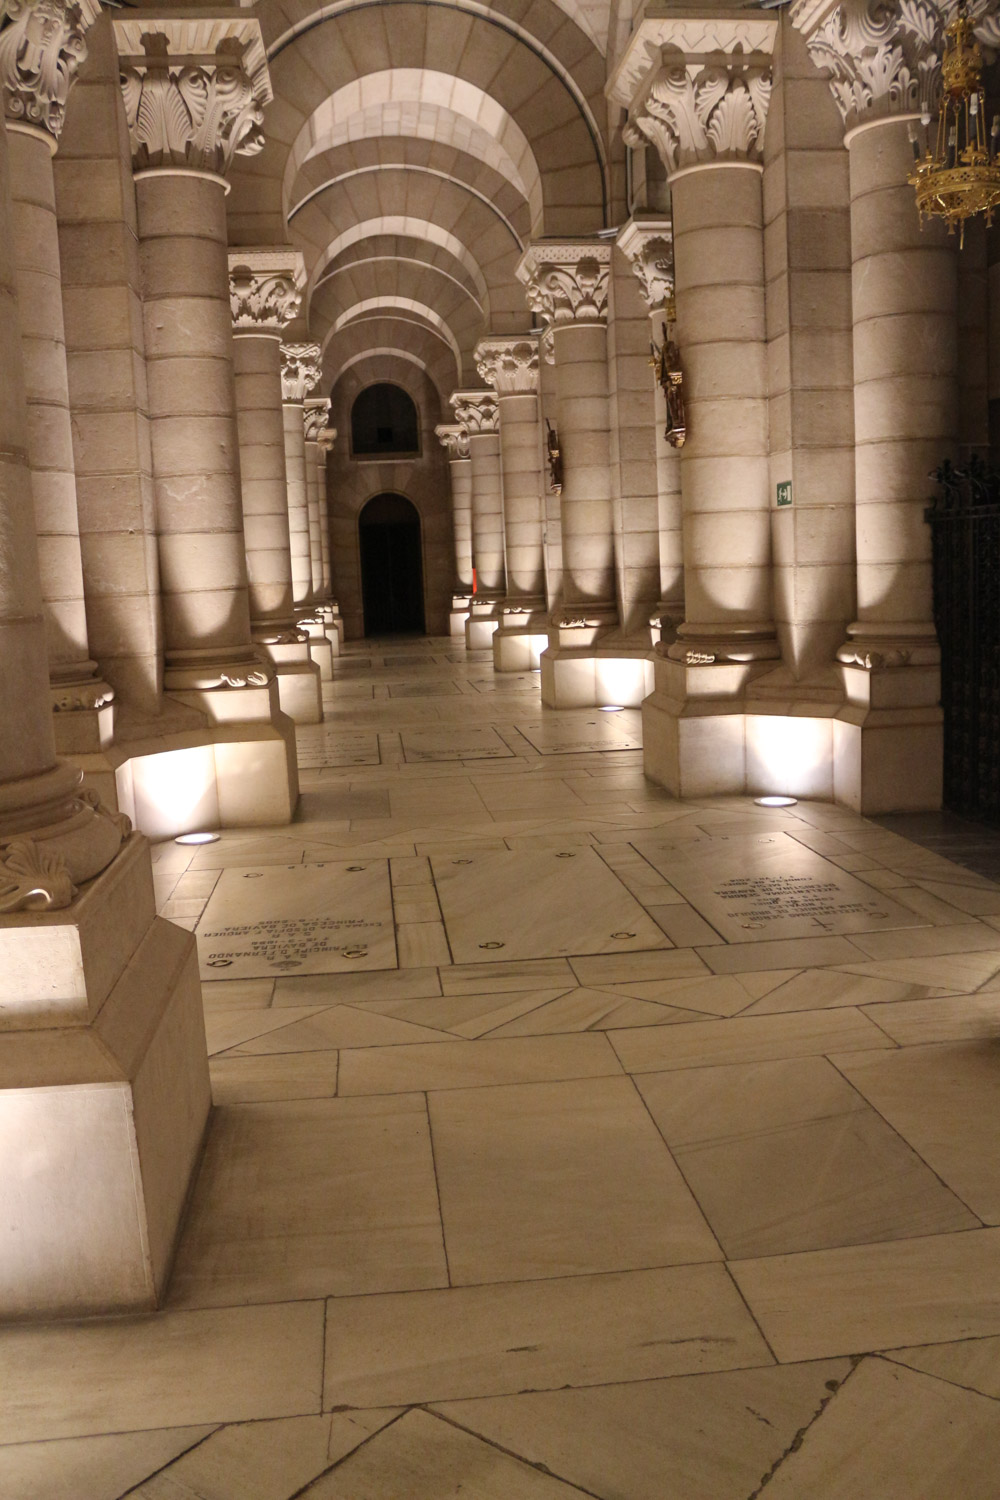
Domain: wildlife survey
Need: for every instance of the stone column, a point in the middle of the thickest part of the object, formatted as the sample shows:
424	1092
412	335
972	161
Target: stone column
454	438
41	48
647	240
194	92
567	285
883	65
548	407
705	109
104	1088
510	366
319	440
476	412
300	372
264	298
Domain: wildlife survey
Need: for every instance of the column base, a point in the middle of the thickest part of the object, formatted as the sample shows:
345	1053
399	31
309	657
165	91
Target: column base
481	624
104	1097
519	650
332	625
587	678
300	692
83	711
458	614
320	649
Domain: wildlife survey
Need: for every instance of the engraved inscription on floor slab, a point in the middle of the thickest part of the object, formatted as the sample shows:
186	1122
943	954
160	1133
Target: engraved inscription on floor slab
541	903
567	734
298	919
453	744
319	745
771	886
423	689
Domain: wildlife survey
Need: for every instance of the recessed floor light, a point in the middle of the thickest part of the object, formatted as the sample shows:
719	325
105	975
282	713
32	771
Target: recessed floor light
776	801
611	708
197	838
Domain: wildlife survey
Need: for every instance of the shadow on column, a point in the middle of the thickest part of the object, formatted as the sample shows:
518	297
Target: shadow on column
392	578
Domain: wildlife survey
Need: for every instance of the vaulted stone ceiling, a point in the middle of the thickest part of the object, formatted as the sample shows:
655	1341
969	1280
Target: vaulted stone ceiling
414	147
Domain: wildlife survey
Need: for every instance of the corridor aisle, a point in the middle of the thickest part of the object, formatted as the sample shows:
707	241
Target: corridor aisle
569	1141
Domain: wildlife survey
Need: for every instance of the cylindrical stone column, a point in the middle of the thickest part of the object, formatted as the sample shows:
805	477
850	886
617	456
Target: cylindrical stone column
511	367
300	371
568	285
454	438
718	229
314	416
552	534
905	390
263	299
50	839
34	99
476	411
648	242
319	439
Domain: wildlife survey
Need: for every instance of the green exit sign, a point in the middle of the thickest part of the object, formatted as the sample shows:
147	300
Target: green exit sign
785	492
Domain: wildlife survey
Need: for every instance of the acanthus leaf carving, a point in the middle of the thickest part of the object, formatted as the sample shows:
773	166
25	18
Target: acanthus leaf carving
314	416
119	820
261	303
42	46
693	113
509	365
454	438
476	411
186	106
566	283
882	57
301	370
32	879
652	259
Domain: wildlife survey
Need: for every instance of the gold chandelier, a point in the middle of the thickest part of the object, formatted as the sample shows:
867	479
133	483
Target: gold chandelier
961	176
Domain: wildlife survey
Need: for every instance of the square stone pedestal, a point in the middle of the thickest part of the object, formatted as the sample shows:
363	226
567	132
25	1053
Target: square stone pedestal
300	689
518	650
480	625
458	614
593	676
104	1097
889	739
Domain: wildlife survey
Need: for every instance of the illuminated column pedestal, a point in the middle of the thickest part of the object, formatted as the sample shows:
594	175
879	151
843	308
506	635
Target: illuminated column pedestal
511	367
454	438
104	1090
476	412
263	297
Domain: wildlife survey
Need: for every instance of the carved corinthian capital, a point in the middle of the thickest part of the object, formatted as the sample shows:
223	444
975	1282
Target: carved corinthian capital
568	282
509	365
882	57
454	439
314	415
264	289
300	370
698	88
194	89
649	246
42	46
476	411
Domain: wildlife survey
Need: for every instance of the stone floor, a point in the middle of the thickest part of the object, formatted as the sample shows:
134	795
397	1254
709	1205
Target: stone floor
657	1161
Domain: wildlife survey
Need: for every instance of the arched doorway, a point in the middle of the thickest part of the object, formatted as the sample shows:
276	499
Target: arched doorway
392	575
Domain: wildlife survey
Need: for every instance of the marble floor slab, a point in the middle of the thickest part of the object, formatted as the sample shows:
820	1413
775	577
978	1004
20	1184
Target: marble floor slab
536	1335
703	1437
769	886
538	902
315	918
786	1156
173	1369
865	1297
349	1183
573	732
443	744
329	745
559	1179
471	1064
892	1433
96	1468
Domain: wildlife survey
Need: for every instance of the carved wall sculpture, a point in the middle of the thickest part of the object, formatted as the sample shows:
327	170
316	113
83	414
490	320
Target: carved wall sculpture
301	370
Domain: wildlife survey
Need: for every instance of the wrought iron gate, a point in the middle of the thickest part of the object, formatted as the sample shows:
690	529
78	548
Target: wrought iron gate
965	526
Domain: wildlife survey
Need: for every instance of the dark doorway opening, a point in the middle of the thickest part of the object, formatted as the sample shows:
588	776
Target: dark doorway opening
384	420
392	575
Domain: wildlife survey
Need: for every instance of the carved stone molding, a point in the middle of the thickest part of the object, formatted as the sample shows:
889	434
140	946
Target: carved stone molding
32	879
509	365
454	438
882	57
301	370
649	246
698	88
194	89
567	282
314	415
327	438
264	289
476	411
42	46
